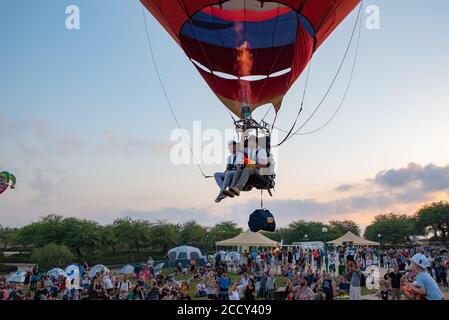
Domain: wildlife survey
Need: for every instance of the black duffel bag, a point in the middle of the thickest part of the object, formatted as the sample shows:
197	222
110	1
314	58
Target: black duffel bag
261	219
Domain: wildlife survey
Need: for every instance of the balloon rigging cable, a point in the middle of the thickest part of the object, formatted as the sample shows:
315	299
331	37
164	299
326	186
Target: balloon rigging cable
297	132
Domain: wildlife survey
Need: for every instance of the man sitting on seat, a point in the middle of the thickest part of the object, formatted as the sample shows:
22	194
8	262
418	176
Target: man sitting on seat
255	158
224	179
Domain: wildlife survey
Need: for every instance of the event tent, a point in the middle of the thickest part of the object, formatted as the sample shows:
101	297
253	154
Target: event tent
16	277
56	272
97	269
74	273
127	269
183	255
247	240
356	240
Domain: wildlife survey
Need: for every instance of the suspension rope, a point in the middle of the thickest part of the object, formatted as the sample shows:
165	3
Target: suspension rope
167	98
300	109
337	111
358	20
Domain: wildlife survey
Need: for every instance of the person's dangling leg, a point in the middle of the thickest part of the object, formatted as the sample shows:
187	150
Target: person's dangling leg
243	179
227	180
219	178
236	177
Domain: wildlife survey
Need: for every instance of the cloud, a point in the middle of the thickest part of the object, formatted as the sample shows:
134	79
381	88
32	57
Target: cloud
388	190
178	215
45	183
47	141
285	210
414	177
344	188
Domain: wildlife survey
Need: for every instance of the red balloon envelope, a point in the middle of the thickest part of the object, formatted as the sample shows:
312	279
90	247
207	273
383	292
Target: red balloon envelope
250	52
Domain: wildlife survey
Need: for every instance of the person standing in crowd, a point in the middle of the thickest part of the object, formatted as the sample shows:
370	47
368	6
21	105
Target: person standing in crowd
332	264
442	270
124	286
154	291
107	284
249	291
426	286
224	282
271	286
86	283
304	292
211	287
233	292
328	286
395	283
383	293
263	285
310	277
4	293
354	273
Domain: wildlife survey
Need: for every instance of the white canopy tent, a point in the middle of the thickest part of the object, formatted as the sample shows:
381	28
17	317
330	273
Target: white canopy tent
246	240
349	237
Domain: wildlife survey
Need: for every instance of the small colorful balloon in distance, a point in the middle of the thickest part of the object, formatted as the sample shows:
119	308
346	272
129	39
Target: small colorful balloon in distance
7	180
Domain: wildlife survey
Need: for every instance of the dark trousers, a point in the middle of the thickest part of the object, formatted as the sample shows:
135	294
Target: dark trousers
241	177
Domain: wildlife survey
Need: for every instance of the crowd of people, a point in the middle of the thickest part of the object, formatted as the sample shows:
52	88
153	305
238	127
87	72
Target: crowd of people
291	273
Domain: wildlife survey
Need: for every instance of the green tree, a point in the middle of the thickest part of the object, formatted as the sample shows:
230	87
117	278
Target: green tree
133	233
393	228
164	235
52	255
7	236
193	234
338	228
75	233
434	220
224	230
81	234
296	232
108	238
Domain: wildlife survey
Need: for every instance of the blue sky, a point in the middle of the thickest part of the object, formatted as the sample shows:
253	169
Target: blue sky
85	127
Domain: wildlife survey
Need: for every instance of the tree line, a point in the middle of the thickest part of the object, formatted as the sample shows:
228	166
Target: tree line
132	235
431	221
123	235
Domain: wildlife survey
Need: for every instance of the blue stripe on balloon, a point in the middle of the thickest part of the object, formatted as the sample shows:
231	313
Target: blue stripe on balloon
279	31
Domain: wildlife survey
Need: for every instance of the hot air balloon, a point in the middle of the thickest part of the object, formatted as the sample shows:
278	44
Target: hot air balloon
5	179
250	52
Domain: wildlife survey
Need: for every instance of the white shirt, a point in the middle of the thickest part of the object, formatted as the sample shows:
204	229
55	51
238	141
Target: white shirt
235	158
124	285
107	282
234	295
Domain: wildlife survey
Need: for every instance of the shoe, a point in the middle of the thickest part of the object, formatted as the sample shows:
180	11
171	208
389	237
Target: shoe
229	193
220	197
236	191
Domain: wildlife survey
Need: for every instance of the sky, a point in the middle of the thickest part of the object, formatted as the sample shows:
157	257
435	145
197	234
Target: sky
85	127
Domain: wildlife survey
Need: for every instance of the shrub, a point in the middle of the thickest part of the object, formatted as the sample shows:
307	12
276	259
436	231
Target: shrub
7	268
52	255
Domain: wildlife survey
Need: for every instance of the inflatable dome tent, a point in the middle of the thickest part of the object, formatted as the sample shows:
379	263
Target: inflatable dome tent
183	255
